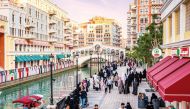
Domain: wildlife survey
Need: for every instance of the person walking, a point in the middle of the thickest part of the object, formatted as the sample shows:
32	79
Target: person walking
126	88
106	85
135	87
128	106
116	78
120	85
83	98
109	84
153	97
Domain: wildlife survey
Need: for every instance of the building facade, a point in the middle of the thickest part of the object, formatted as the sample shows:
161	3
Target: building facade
139	16
145	10
132	26
35	29
171	81
99	29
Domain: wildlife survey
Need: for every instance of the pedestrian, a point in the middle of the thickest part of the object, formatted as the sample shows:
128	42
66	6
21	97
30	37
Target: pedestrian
122	106
105	85
140	77
83	98
109	84
96	106
128	106
156	103
135	87
153	97
116	78
120	85
126	87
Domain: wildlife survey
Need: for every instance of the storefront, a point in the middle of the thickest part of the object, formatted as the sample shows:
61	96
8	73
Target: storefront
170	77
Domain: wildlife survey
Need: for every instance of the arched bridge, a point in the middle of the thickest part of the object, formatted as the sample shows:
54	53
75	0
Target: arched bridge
98	50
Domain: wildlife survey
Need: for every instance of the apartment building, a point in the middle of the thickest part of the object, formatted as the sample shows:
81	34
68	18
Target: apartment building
131	26
35	29
145	10
100	29
139	16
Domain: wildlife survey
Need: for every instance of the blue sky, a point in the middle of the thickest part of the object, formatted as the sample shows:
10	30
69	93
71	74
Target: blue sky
83	10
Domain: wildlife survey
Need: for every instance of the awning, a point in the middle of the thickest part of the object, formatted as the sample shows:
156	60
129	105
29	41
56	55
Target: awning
36	57
175	87
60	56
45	57
158	64
22	59
168	71
161	67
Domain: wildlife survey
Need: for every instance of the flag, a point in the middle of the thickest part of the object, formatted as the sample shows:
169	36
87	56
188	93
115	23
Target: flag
11	72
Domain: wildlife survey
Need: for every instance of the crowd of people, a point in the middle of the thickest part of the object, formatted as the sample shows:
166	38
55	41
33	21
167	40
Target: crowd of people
108	78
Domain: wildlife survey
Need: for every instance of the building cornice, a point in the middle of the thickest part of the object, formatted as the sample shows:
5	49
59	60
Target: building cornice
165	5
177	44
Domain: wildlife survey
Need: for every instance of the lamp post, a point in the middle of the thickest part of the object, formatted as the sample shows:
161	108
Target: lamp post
113	53
77	55
51	78
97	48
90	63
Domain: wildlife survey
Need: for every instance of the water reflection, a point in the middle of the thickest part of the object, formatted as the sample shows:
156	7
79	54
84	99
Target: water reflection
64	83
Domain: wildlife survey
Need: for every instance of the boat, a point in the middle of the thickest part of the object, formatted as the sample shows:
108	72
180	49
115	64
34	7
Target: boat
31	102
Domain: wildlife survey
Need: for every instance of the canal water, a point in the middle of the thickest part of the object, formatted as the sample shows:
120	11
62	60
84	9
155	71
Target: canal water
64	83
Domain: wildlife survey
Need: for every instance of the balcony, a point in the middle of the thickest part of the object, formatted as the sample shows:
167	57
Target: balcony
30	25
52	31
29	37
133	32
68	37
52	22
66	19
52	40
133	16
52	12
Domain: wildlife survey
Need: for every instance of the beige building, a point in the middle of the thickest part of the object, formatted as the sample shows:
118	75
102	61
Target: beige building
131	26
100	29
35	29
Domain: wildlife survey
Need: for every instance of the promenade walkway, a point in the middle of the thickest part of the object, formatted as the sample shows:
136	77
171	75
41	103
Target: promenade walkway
114	99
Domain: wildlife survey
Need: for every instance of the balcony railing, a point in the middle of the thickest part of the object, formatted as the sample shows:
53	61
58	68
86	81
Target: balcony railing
51	22
52	12
133	16
29	37
52	31
30	25
52	40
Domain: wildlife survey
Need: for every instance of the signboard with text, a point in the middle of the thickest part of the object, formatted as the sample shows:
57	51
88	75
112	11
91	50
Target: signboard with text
156	52
184	51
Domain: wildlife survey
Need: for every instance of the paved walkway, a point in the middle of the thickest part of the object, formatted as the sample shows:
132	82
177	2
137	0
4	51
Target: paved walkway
114	99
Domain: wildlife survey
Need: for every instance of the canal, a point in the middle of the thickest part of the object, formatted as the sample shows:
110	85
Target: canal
64	83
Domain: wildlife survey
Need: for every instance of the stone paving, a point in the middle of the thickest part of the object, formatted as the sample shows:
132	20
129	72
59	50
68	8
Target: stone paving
114	99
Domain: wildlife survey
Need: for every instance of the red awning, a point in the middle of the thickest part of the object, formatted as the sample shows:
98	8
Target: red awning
175	87
161	67
158	64
168	71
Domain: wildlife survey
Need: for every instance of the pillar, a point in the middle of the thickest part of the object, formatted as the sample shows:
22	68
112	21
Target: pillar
167	32
173	26
182	21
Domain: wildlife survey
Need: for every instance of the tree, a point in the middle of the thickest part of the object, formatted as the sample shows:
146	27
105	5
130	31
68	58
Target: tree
148	41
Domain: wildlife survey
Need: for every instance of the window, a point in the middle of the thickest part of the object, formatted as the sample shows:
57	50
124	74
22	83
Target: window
13	18
20	20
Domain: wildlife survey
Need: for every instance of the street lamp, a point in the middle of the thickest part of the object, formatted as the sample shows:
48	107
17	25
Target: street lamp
77	56
108	52
113	53
97	48
91	51
51	78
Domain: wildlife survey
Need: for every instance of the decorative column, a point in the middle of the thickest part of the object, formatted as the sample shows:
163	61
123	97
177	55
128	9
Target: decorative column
173	26
182	21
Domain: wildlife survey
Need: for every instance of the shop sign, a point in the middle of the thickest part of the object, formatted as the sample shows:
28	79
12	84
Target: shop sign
184	51
175	51
156	52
